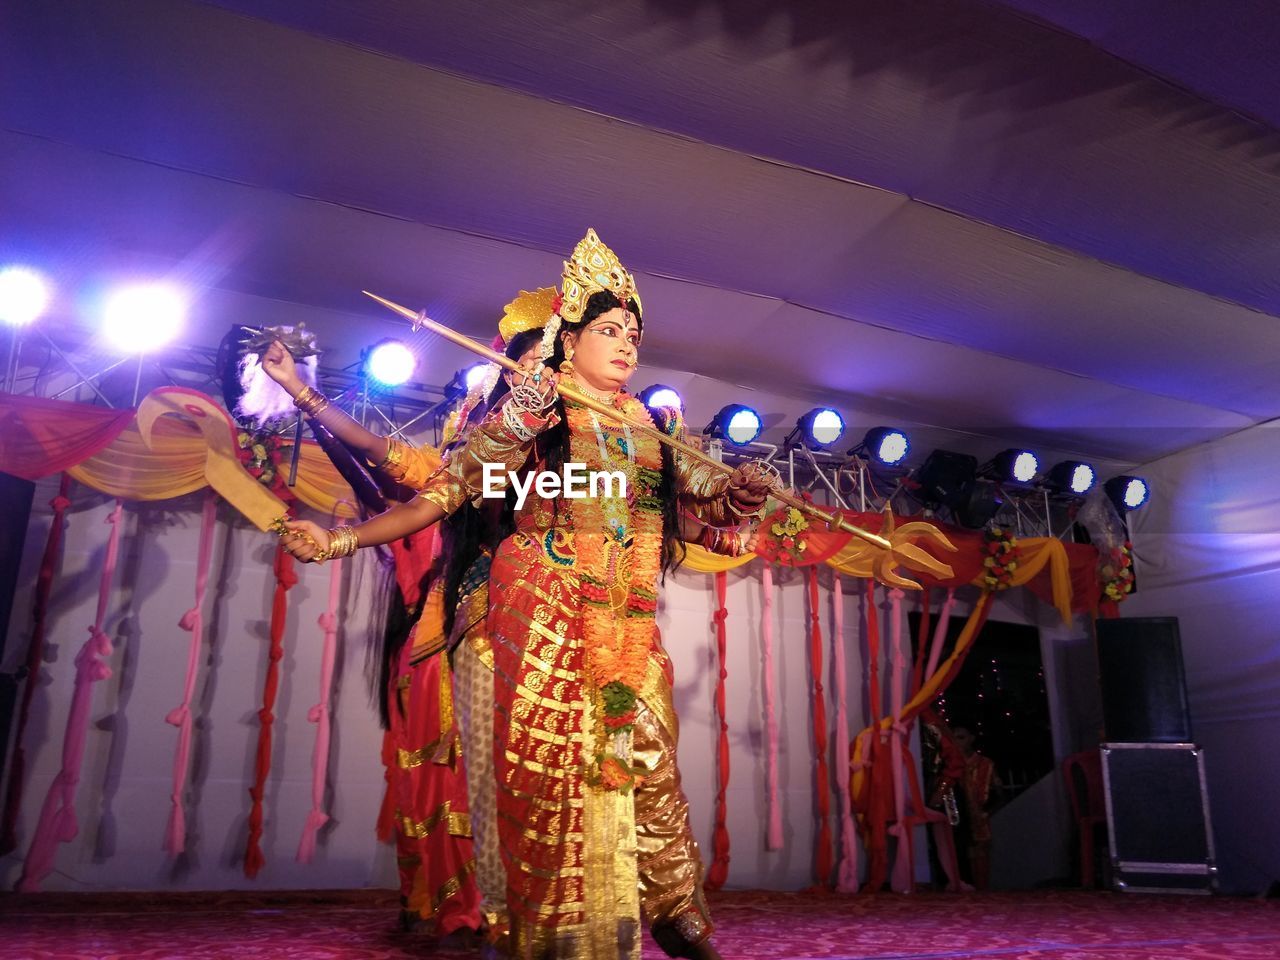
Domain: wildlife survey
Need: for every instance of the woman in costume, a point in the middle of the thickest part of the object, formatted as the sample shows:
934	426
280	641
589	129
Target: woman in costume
592	822
439	777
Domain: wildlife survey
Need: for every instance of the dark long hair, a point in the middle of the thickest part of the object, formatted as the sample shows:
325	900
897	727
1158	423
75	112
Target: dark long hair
471	530
554	443
465	534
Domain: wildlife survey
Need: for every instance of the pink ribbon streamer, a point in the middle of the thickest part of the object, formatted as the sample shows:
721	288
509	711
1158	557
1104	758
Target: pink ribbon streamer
940	633
902	863
57	822
320	716
175	837
847	873
773	835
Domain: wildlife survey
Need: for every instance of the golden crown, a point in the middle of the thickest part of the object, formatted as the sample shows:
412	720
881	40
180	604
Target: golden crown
592	268
528	311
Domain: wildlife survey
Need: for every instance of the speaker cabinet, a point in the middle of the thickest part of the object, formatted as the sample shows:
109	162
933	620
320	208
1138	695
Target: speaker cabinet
1144	689
16	496
1158	817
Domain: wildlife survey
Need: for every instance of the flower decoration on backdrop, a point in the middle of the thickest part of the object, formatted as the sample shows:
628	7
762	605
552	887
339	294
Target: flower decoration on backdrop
1116	572
789	534
261	453
1001	551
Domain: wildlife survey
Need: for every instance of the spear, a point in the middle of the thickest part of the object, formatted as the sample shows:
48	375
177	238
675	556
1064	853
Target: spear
894	542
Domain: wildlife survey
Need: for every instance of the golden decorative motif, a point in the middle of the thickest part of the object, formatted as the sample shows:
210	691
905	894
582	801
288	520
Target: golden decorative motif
528	311
593	268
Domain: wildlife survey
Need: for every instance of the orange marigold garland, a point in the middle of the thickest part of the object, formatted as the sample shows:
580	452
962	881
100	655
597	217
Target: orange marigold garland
619	558
1117	573
788	533
1001	561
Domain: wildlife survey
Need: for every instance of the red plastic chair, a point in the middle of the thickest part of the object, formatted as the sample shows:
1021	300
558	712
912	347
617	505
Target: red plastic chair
1083	775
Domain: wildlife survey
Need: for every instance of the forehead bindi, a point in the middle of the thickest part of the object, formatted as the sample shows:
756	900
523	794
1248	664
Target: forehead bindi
616	318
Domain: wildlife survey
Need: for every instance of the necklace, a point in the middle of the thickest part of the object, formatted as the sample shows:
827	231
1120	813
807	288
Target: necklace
594	394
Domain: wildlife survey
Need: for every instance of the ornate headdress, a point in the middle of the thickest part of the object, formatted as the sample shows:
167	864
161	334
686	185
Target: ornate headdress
592	268
528	311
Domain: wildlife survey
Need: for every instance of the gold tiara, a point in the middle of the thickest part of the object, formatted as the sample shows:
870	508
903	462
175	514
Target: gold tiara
528	311
592	268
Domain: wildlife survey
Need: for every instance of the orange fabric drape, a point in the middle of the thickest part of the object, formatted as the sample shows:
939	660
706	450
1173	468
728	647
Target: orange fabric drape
102	449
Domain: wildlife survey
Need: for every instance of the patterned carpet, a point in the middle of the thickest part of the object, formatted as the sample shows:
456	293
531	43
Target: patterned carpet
362	926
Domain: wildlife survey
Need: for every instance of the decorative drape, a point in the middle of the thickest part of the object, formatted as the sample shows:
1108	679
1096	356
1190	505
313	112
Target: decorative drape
319	715
58	822
104	450
719	870
180	716
286	580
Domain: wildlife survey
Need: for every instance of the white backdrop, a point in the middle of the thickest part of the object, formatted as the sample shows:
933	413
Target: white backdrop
123	800
1208	551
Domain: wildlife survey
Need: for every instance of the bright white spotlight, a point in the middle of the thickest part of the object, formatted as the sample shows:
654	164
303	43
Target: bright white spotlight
659	396
1025	466
886	444
1135	493
391	363
744	426
142	318
1127	493
1013	466
1071	477
821	427
1081	478
23	295
475	374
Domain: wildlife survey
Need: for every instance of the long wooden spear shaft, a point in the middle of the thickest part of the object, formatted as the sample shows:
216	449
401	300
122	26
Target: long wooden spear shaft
896	545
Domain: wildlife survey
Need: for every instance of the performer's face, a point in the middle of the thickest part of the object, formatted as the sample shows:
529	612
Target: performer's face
606	351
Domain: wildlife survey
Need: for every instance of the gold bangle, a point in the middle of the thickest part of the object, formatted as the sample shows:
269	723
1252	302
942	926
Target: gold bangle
343	541
310	401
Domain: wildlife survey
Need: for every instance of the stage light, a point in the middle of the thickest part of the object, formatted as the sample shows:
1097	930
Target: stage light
821	427
1127	493
24	294
474	375
1013	466
1071	477
390	363
142	318
946	478
660	395
736	423
886	444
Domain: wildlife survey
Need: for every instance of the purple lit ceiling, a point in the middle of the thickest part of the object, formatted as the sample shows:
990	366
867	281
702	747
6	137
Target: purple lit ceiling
1031	219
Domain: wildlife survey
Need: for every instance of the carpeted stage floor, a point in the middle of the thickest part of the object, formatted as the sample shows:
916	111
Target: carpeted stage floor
362	926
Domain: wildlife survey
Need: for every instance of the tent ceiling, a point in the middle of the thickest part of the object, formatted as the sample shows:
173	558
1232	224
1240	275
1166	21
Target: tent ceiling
948	213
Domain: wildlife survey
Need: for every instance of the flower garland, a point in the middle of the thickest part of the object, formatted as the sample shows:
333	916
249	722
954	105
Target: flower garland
618	542
1117	573
1001	561
788	532
261	453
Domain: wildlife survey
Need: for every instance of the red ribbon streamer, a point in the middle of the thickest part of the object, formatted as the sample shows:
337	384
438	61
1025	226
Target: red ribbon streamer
286	579
719	871
822	858
35	657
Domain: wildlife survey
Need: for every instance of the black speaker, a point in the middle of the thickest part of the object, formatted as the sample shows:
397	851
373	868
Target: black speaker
1158	817
16	496
1144	689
